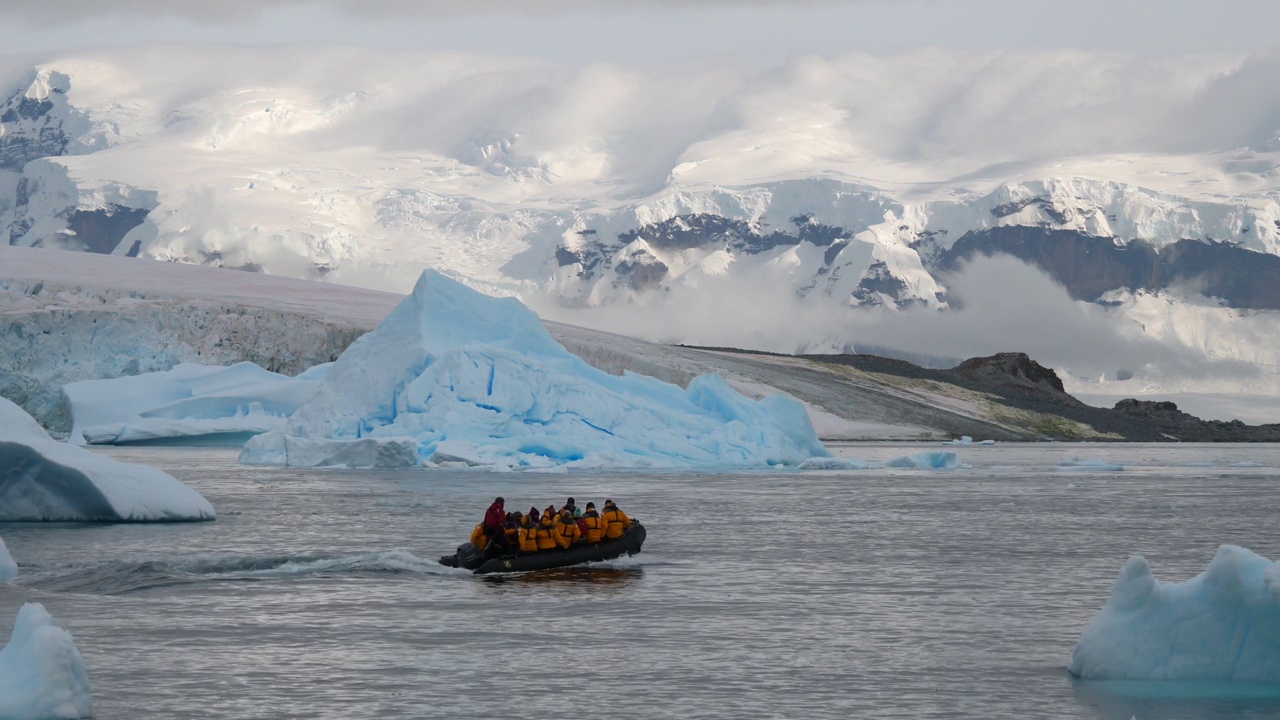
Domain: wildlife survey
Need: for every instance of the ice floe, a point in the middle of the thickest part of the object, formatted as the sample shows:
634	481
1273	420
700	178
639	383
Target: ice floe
43	479
1222	625
8	568
42	675
190	402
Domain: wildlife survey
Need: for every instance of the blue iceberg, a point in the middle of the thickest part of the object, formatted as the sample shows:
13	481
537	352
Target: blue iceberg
453	376
1220	626
41	672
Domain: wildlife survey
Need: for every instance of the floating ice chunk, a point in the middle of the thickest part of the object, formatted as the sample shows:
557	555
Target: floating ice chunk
42	479
42	675
1075	463
8	568
455	377
189	401
833	463
926	461
962	440
1222	625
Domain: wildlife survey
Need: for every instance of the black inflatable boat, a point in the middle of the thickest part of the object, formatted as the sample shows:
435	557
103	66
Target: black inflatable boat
471	558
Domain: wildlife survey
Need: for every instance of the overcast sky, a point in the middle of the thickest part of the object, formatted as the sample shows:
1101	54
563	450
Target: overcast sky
639	30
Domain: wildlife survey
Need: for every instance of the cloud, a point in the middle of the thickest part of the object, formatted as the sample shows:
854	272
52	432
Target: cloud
1008	306
237	11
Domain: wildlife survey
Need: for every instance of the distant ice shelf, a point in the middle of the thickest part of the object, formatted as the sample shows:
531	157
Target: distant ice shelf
454	377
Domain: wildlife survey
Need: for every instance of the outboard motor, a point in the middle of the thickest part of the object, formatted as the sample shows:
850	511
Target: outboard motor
468	556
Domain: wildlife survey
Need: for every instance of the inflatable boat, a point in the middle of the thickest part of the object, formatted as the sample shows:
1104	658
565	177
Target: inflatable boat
472	558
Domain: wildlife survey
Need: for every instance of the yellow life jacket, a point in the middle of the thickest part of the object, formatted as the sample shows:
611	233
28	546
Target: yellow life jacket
616	522
567	533
478	538
595	526
528	541
545	537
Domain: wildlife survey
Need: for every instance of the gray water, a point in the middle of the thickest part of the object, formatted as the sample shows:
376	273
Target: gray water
877	594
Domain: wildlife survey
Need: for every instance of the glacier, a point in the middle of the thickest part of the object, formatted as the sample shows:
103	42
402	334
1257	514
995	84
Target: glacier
42	674
1221	626
42	479
452	376
8	568
190	402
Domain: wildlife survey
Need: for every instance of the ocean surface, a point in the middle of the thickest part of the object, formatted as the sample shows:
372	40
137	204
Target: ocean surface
867	594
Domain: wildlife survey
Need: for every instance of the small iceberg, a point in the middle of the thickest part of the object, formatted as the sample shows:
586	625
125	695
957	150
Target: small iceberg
42	675
926	461
966	440
454	377
1221	626
833	463
8	568
196	404
1076	463
42	479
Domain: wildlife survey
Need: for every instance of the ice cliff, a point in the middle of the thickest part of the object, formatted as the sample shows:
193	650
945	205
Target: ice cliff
42	675
42	479
1222	625
454	376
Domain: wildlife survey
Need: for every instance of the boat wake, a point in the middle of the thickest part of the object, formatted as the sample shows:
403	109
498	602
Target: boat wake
118	577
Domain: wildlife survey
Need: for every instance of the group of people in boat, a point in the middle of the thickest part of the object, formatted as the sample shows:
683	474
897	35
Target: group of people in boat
551	529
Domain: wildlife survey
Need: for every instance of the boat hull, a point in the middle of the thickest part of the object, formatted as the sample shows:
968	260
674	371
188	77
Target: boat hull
470	558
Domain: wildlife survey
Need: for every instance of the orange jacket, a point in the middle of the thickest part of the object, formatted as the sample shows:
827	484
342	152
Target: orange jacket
567	532
545	536
616	522
595	526
478	538
529	539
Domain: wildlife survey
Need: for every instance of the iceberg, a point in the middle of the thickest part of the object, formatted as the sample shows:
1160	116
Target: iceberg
191	403
1221	626
8	568
926	461
1076	463
42	675
42	479
834	463
454	376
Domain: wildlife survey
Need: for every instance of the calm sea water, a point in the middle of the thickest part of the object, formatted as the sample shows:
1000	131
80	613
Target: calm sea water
876	594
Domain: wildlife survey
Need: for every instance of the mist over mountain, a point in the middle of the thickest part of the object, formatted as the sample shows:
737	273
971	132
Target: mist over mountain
1113	216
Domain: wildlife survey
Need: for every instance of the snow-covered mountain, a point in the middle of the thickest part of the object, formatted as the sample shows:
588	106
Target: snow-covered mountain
737	208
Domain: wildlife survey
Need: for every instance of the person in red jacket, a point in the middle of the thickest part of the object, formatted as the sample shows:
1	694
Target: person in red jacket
494	520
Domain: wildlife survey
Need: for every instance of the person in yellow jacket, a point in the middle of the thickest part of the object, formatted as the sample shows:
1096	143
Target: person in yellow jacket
567	532
545	534
616	522
528	534
594	523
478	538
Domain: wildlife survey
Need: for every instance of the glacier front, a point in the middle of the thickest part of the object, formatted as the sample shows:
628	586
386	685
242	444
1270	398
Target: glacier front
1220	626
41	672
454	376
42	479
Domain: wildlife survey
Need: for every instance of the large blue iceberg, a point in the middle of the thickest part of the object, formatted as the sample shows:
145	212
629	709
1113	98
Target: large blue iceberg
1220	626
454	376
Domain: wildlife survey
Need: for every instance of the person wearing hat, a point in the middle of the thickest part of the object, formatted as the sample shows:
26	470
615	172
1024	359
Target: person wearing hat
528	532
616	522
495	520
572	507
567	532
594	525
545	534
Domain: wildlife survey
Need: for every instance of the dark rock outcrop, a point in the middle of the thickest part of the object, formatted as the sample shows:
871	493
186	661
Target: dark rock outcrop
1178	425
1012	368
